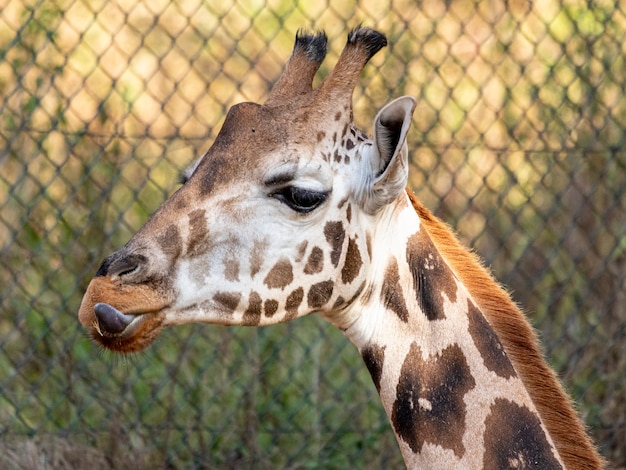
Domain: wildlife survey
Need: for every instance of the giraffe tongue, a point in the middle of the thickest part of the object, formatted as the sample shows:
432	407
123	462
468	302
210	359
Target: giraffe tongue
111	322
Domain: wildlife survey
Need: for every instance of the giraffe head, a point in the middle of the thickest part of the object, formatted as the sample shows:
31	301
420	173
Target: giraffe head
274	221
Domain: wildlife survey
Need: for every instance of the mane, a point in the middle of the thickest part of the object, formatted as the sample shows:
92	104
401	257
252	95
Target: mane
520	342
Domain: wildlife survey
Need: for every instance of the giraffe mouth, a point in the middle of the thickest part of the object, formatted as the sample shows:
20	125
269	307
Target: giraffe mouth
110	322
128	320
122	332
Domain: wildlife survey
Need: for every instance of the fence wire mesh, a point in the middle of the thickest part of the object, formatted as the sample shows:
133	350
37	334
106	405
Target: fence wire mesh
518	141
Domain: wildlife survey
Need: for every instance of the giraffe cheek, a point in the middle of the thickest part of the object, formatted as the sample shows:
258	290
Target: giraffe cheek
353	262
280	276
293	302
315	261
335	234
319	294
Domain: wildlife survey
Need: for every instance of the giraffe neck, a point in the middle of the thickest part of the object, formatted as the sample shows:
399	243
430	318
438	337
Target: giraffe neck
451	393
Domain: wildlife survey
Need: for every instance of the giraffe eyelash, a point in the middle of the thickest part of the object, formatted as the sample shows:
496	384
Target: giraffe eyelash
185	174
300	200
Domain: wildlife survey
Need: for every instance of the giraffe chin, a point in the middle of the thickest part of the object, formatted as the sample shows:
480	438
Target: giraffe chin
123	333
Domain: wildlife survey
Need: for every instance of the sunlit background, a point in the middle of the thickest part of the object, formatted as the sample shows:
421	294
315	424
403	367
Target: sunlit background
518	142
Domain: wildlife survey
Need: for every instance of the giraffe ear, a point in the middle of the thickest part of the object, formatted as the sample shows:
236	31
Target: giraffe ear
386	162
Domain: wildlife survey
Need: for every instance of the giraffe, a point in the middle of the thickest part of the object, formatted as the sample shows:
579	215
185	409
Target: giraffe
293	211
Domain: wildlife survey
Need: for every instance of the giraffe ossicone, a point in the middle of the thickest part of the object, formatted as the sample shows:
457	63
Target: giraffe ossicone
293	211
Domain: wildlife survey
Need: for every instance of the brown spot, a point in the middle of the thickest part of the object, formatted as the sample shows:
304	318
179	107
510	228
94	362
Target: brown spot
301	251
374	357
431	276
352	264
320	136
342	202
337	115
229	300
257	256
514	439
429	406
493	354
319	294
280	276
344	131
231	269
171	242
271	306
338	302
391	293
349	213
293	303
337	156
349	144
252	315
180	201
315	263
212	171
346	159
198	232
335	235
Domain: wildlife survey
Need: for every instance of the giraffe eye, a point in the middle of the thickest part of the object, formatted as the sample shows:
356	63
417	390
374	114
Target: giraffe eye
299	199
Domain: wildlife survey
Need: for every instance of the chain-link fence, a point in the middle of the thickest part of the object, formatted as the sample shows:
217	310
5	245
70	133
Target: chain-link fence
518	142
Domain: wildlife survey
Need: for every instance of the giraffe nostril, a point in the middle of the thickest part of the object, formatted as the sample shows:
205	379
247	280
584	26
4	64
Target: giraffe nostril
121	264
110	320
104	267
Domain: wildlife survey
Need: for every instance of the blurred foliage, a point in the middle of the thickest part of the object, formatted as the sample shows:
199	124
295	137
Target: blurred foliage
517	142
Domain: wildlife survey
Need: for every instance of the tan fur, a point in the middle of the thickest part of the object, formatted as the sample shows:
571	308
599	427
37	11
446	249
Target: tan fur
521	343
295	81
136	299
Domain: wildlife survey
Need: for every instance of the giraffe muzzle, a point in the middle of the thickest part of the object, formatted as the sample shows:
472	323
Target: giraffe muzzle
122	317
110	321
